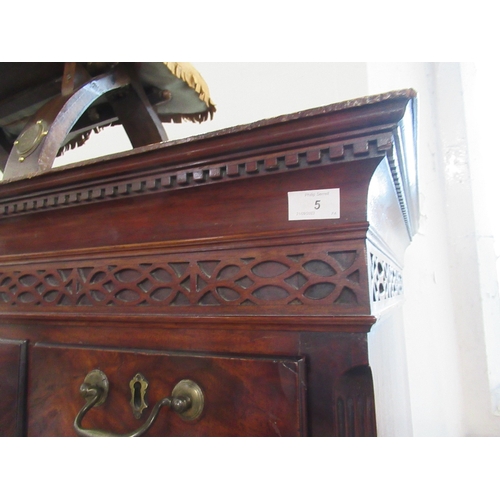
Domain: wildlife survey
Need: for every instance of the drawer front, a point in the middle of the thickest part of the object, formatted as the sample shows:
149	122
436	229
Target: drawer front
243	396
12	387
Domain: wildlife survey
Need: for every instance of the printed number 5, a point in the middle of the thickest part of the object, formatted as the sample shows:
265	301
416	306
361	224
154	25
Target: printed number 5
317	204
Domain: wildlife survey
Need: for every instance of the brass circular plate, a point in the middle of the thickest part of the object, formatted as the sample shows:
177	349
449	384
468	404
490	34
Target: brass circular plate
30	138
97	378
190	389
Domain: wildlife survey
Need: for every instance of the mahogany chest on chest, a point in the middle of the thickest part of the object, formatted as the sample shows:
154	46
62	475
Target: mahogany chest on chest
232	278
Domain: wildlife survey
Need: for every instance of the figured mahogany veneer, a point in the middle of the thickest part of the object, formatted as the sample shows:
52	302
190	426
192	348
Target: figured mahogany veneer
178	261
257	396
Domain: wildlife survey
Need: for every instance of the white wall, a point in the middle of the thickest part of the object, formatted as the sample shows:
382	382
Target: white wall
452	308
431	350
435	377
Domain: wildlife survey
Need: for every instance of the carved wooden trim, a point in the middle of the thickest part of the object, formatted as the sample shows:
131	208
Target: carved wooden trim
342	233
354	405
329	276
384	270
386	280
231	323
169	179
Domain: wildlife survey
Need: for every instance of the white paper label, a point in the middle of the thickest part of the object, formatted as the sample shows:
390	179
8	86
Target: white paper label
313	205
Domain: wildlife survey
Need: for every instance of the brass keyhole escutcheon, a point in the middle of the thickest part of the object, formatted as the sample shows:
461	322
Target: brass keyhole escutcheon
138	386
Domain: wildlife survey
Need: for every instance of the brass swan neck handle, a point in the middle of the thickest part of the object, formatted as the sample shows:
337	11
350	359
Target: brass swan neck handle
187	401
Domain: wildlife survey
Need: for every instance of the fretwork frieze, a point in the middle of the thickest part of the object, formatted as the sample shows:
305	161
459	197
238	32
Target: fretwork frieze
311	275
386	280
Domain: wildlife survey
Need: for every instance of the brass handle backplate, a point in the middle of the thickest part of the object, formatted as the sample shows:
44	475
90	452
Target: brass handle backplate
187	400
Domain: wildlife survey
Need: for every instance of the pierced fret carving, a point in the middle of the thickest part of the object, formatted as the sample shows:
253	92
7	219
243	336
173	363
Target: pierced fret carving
254	278
386	281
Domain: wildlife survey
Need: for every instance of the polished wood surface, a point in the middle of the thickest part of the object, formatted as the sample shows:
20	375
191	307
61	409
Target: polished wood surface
12	387
179	261
245	396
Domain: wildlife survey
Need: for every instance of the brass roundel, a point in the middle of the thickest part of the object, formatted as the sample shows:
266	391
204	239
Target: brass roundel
30	138
97	379
188	388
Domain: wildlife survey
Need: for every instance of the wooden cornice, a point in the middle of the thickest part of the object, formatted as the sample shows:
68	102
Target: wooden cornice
362	128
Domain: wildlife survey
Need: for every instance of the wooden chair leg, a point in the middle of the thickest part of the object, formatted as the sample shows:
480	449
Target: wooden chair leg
135	113
39	143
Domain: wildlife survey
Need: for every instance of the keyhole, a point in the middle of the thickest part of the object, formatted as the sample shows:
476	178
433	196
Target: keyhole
137	396
138	386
